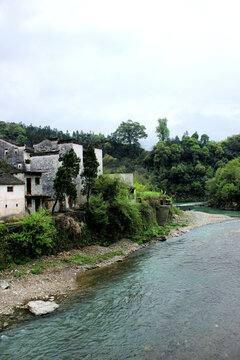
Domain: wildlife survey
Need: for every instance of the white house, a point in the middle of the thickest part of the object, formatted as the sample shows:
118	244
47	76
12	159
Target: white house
37	168
12	196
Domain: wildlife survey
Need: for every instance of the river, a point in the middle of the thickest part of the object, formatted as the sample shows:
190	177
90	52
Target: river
174	300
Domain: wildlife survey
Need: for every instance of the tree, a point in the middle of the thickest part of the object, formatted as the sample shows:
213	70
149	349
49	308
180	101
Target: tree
89	173
63	183
224	189
162	130
130	132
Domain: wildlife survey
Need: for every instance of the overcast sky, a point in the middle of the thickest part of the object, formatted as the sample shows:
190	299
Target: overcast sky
90	64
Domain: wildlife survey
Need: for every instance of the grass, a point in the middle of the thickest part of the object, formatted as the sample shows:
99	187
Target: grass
87	260
37	269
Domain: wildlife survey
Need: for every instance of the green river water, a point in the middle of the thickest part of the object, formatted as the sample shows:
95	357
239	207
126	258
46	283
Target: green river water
174	300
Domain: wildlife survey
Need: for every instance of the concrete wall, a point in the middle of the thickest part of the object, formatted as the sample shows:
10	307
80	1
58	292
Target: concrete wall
12	203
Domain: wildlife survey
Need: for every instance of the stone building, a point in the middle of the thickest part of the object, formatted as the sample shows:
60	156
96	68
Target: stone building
37	168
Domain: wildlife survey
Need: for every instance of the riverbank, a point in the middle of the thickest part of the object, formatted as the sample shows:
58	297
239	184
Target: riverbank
56	275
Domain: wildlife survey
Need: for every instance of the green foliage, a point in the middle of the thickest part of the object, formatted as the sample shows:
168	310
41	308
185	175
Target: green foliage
111	213
38	269
130	132
162	130
224	188
90	170
36	236
87	260
63	183
5	253
182	167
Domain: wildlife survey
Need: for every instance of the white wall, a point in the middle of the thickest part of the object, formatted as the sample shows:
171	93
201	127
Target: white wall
15	201
98	153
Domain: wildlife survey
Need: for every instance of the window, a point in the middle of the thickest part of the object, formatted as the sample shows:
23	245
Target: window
6	152
6	206
19	166
10	189
15	151
16	205
37	181
29	202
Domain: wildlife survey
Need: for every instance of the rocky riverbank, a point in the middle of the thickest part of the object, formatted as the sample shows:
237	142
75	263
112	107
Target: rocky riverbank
55	276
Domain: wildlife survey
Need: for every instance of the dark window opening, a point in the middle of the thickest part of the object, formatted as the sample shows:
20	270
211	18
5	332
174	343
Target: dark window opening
29	186
6	206
37	204
37	181
29	202
10	188
16	205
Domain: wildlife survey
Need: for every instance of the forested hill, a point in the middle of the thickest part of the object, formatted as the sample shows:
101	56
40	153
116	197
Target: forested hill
181	167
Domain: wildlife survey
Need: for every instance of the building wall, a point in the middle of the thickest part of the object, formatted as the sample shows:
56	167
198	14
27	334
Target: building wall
127	178
48	165
98	153
41	160
13	154
46	145
12	203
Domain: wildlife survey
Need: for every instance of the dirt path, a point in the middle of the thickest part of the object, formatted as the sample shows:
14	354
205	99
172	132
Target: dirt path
59	274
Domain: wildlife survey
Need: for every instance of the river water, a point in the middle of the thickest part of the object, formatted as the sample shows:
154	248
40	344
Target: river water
174	300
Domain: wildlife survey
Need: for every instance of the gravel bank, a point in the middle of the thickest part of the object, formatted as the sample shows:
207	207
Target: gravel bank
58	277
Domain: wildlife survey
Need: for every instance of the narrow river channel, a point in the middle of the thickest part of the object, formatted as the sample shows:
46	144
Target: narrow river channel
174	300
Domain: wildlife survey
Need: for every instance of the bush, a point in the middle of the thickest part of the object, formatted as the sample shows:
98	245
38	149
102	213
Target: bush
36	236
111	214
5	254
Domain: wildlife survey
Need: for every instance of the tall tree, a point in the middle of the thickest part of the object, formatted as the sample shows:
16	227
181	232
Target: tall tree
130	132
90	171
64	181
162	130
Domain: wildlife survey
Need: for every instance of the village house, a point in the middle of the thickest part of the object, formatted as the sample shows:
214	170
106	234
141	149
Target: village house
12	196
37	168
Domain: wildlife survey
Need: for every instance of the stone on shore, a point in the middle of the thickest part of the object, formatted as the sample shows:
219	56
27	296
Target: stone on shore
4	284
40	307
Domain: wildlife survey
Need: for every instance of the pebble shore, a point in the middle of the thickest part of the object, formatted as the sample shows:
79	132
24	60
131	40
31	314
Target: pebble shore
60	279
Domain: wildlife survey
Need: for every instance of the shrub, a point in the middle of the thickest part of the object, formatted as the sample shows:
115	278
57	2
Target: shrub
5	255
111	215
36	236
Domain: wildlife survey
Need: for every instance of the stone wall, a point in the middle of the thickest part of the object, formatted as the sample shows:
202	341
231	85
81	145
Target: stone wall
13	154
46	146
48	165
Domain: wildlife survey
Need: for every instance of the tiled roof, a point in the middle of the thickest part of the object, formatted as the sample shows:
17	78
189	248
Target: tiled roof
8	179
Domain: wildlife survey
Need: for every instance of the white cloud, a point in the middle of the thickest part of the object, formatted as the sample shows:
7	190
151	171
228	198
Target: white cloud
86	64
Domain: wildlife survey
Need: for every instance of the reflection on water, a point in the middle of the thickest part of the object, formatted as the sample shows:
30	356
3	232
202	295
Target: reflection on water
173	300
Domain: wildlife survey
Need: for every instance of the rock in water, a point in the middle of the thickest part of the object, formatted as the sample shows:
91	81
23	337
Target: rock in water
4	285
40	307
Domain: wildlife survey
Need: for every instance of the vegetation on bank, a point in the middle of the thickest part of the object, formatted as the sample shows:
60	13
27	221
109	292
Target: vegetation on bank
180	166
111	214
224	188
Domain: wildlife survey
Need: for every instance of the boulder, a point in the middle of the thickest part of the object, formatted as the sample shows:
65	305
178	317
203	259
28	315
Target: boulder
40	307
4	284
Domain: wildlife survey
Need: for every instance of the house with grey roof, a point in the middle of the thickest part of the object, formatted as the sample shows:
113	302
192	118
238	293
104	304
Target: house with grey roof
12	196
37	168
